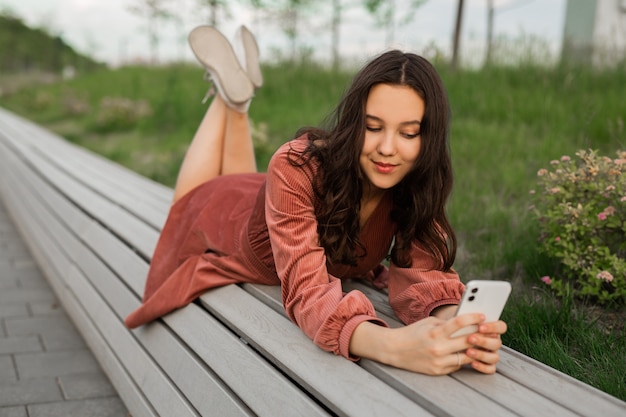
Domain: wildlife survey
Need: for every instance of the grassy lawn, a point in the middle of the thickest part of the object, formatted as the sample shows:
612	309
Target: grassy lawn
507	124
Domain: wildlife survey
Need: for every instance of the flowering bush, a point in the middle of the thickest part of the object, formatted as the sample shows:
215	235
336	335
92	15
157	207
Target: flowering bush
581	207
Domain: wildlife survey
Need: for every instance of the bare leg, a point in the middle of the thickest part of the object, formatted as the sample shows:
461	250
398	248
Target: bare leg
238	151
203	160
222	145
223	142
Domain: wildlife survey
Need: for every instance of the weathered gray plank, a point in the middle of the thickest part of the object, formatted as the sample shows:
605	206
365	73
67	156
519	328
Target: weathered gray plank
579	397
510	394
132	396
127	227
341	385
504	391
146	374
218	398
258	384
23	130
106	266
280	389
431	393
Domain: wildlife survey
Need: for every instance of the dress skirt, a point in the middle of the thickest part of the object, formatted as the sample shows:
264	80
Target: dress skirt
203	245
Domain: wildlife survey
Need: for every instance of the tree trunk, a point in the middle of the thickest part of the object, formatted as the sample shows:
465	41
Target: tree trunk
457	35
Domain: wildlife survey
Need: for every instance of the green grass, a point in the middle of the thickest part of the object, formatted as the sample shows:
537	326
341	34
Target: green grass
508	122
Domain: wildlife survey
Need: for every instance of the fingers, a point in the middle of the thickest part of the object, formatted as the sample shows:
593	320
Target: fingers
482	360
496	327
462	322
485	342
481	347
485	368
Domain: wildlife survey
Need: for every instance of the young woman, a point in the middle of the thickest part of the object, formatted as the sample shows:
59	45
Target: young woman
333	205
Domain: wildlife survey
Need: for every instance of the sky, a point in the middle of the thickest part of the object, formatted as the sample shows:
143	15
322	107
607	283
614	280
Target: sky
107	30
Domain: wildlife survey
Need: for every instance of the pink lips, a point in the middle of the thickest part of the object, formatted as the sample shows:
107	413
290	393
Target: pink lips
384	168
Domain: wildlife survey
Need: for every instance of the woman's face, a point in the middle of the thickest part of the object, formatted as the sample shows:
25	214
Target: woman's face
393	115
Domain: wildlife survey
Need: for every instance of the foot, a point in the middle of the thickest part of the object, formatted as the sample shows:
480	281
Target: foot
216	54
247	51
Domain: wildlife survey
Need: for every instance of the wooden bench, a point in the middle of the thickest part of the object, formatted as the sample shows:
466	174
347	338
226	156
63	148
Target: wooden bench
92	226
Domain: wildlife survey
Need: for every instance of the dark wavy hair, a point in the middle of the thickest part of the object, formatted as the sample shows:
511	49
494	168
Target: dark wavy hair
418	200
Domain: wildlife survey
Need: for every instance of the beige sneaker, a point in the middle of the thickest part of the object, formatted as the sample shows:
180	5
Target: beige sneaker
247	50
216	54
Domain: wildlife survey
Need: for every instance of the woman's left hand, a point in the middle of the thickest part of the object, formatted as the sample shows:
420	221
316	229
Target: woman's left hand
483	354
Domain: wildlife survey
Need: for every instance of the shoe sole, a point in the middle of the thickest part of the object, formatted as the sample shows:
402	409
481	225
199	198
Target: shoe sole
251	49
216	54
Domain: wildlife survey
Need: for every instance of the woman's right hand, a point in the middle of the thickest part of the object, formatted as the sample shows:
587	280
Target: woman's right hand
424	346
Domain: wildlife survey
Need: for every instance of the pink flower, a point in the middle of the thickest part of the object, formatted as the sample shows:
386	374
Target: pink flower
609	188
565	158
620	161
554	162
623	199
602	216
554	190
557	239
546	280
542	172
609	211
605	275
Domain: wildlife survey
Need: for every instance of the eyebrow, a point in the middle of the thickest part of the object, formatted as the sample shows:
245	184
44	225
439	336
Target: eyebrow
378	119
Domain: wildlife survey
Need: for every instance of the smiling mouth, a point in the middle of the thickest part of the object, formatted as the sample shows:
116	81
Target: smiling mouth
384	168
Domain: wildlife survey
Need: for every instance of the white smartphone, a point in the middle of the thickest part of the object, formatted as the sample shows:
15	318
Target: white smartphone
487	297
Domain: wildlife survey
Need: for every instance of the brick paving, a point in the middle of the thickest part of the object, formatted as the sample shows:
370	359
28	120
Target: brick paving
46	369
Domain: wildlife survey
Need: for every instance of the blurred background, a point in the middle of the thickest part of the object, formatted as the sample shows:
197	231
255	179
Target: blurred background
118	32
530	84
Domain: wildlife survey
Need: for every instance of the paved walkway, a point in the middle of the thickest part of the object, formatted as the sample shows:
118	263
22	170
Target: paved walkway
46	369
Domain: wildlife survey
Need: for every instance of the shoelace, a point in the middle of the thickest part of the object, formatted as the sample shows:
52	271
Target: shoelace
211	91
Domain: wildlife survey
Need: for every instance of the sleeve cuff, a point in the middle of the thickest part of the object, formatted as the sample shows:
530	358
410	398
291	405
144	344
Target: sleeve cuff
429	308
348	329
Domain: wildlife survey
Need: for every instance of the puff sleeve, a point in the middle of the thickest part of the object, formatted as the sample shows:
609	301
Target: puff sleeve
416	291
313	299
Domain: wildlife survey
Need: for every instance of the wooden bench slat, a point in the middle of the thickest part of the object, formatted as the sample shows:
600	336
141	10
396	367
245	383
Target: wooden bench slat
148	377
113	291
413	385
92	226
559	387
127	227
259	385
29	132
323	374
132	396
433	393
513	395
275	388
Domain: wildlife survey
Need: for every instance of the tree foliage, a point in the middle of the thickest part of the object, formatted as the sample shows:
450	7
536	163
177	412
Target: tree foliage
385	13
216	10
26	49
155	11
289	14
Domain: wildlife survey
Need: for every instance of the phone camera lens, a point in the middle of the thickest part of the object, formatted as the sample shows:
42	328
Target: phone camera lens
471	298
474	290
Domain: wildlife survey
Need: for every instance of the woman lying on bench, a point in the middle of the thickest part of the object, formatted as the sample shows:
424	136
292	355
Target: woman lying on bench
333	205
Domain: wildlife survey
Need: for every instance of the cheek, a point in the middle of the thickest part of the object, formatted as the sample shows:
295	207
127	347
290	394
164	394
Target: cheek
411	150
369	144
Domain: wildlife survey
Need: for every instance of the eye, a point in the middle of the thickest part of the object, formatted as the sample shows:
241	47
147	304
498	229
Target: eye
373	128
411	135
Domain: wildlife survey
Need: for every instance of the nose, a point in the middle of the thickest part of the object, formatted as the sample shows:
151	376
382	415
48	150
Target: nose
386	146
